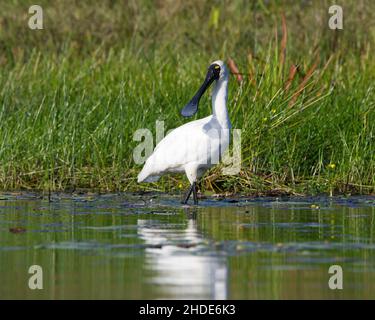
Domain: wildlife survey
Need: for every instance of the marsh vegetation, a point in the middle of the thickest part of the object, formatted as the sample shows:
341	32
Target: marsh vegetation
73	94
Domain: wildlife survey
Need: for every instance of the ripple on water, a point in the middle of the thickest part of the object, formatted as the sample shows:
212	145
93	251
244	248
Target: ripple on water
181	249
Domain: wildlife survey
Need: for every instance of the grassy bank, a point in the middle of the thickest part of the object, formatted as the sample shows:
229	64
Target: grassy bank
72	95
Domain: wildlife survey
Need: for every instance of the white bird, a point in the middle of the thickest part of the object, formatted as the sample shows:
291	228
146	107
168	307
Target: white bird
197	145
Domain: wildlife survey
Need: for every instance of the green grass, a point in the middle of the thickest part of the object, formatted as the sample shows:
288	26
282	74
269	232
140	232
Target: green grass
73	94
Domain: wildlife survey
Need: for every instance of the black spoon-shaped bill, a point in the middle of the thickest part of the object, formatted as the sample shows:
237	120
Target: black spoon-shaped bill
191	108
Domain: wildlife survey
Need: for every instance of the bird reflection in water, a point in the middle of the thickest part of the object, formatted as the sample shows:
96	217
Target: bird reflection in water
179	261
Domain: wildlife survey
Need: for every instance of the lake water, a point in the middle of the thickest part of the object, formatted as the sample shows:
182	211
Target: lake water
128	246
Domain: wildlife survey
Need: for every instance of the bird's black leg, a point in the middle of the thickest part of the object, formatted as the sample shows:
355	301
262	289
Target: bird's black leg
188	193
195	193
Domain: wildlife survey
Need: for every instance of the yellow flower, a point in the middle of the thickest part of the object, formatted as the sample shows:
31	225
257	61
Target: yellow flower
273	110
264	119
180	185
331	166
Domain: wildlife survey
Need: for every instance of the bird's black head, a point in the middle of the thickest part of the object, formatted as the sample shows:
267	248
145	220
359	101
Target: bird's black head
213	73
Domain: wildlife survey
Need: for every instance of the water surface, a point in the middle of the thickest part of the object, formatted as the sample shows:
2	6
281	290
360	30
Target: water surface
127	246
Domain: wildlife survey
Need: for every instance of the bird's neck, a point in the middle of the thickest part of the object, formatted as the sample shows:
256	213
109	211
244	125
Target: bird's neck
219	102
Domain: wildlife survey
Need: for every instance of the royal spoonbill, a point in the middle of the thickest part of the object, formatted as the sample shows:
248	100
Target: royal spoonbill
197	145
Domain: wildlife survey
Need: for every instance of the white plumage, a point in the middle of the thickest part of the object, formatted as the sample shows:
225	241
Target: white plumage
197	145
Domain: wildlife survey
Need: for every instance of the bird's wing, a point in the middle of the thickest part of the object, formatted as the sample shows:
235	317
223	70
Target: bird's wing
185	144
178	134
